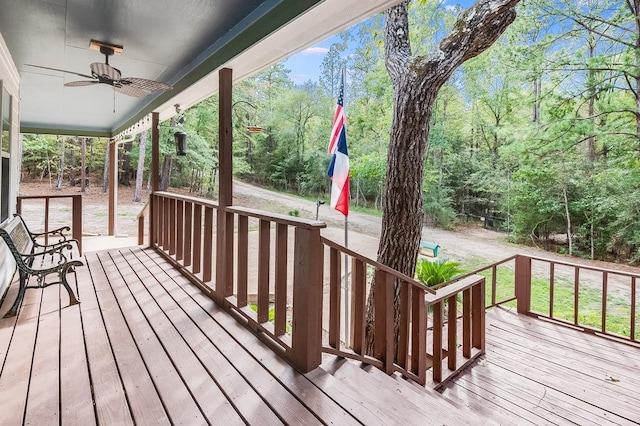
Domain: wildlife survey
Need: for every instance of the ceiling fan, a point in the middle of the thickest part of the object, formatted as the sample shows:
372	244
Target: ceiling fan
103	73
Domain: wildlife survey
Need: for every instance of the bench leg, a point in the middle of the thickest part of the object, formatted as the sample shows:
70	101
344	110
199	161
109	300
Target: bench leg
16	305
73	300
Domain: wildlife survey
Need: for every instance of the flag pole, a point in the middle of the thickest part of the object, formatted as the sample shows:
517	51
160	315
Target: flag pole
347	301
347	320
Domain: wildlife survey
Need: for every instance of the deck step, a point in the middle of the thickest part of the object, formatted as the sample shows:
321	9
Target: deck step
375	387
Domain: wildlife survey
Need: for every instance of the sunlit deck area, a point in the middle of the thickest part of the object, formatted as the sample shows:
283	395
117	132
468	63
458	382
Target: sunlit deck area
146	346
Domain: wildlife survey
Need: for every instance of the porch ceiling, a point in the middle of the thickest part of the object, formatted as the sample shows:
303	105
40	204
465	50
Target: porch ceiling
181	43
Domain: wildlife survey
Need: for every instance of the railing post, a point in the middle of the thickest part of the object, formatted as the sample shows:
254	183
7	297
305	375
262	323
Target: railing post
523	283
76	221
307	299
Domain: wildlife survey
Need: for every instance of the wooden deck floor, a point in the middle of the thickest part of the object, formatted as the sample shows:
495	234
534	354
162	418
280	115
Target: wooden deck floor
146	347
537	372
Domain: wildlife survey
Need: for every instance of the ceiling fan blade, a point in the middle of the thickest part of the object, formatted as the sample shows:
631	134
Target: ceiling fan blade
105	71
131	91
143	83
57	69
81	83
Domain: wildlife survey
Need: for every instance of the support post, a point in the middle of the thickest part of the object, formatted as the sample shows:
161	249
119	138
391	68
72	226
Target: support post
307	299
224	233
113	185
154	171
523	284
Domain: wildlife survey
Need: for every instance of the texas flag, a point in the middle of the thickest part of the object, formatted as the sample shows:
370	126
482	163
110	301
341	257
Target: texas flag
339	167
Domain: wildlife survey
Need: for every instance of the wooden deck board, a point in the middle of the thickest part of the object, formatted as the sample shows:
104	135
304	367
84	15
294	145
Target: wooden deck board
248	402
141	393
16	371
555	374
146	346
75	385
205	393
43	400
110	401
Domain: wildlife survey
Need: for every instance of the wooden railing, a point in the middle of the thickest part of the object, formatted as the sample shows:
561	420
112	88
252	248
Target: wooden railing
269	271
266	268
407	339
595	300
41	221
141	216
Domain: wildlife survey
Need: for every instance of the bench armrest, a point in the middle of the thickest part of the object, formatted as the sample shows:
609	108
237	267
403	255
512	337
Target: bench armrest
53	250
56	232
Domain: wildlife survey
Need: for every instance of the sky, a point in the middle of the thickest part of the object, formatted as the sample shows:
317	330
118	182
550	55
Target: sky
306	65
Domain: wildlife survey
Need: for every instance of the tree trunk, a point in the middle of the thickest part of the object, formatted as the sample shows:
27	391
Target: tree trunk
61	170
140	171
105	173
125	160
568	218
416	82
165	173
83	164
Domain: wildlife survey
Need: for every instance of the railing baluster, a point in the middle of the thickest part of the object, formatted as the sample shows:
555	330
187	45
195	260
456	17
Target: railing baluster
383	342
207	272
437	342
576	294
403	327
605	283
179	229
552	278
466	323
197	238
263	270
282	232
243	260
358	286
477	314
335	295
452	329
165	224
633	309
172	225
188	234
494	277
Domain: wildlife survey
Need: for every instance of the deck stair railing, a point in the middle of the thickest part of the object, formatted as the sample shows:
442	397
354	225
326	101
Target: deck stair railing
413	340
270	270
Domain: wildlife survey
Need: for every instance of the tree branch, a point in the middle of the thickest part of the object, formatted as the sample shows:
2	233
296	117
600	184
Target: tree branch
475	30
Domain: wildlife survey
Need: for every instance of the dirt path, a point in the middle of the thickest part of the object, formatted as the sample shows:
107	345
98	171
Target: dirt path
465	243
468	243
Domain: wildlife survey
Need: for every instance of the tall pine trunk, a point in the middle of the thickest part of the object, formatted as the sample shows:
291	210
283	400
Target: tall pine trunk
140	171
416	83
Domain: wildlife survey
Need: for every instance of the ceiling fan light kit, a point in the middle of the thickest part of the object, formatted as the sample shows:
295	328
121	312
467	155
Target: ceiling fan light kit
103	73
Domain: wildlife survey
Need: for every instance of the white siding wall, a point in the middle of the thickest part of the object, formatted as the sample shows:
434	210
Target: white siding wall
11	81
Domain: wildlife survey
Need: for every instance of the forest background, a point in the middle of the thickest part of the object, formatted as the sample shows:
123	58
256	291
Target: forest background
538	136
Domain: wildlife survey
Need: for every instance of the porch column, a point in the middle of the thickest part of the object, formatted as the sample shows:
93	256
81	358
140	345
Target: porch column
224	225
154	170
113	185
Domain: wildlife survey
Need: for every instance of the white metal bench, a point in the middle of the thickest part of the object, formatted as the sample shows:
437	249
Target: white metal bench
40	260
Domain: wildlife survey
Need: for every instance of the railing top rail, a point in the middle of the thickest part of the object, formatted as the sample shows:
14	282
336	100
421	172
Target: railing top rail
378	265
280	218
453	289
188	198
474	272
144	211
35	197
258	214
582	266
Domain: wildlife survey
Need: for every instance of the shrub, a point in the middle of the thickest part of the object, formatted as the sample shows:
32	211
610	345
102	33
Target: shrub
431	273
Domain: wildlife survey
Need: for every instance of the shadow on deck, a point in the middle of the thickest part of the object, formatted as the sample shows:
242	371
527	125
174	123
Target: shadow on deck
147	346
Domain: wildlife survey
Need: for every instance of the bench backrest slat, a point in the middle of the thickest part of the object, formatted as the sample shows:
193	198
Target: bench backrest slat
18	234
